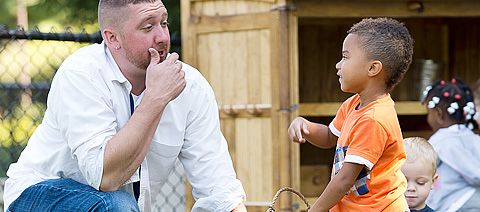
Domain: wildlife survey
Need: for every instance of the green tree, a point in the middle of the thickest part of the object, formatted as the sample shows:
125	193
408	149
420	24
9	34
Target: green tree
77	13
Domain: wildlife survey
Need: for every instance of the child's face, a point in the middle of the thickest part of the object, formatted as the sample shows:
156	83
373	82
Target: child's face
353	67
477	108
420	178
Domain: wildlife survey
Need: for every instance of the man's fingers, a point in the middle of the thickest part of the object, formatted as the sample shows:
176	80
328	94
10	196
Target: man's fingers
172	58
154	56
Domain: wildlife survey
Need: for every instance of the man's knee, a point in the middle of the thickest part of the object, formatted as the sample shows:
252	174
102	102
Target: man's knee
74	196
121	201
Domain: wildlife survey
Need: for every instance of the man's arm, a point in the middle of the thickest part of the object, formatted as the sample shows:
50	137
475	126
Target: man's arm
337	187
127	149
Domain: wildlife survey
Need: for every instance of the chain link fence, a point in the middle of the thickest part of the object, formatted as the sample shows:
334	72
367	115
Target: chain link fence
28	62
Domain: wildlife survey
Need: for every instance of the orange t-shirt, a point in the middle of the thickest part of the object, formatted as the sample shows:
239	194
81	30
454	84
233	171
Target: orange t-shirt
371	136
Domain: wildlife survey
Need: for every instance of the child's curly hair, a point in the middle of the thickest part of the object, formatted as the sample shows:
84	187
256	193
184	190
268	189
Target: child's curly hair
388	41
455	98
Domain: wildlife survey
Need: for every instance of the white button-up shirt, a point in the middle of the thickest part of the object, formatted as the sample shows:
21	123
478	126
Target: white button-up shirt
88	104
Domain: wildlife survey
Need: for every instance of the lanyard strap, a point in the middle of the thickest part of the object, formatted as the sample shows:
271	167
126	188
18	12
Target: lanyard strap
136	185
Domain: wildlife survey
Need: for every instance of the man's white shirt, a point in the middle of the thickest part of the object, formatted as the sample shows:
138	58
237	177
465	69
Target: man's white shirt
88	104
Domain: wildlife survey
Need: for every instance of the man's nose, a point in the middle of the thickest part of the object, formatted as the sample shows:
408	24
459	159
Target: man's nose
161	35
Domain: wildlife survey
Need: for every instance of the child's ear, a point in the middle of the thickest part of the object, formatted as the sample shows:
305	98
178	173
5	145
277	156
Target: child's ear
434	179
375	68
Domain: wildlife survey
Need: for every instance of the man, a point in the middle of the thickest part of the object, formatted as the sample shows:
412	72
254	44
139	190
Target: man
118	115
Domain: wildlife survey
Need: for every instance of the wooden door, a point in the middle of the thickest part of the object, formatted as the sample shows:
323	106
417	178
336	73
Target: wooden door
242	48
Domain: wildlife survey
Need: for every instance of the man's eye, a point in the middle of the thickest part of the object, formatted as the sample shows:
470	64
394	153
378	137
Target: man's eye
148	27
164	24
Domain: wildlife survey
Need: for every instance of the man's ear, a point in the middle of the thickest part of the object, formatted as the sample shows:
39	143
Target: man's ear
111	38
375	68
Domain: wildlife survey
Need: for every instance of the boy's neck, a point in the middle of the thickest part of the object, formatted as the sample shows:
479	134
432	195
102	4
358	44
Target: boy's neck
368	97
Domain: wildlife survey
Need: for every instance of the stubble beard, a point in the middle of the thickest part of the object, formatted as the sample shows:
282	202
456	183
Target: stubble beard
142	60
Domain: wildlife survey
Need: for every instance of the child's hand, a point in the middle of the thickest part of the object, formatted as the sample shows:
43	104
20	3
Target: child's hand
297	129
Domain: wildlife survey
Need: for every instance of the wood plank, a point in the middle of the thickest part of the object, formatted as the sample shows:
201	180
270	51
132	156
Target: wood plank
245	110
254	157
432	8
331	108
270	1
294	98
229	7
314	179
209	24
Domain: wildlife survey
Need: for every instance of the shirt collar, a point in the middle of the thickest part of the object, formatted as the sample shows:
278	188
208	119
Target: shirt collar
454	128
115	74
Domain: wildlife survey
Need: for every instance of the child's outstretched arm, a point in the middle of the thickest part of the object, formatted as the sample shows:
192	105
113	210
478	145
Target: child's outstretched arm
337	187
317	134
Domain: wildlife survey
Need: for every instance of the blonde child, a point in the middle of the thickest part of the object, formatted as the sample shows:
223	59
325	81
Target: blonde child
450	112
420	171
366	174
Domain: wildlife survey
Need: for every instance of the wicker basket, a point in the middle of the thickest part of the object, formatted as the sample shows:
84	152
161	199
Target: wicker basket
272	209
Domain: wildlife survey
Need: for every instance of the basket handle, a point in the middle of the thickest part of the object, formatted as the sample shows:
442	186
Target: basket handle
270	207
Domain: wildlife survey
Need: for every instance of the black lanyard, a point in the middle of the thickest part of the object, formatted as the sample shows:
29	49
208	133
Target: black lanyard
136	185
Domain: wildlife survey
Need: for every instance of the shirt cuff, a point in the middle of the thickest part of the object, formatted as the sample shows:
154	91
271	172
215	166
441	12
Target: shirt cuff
222	199
333	129
359	160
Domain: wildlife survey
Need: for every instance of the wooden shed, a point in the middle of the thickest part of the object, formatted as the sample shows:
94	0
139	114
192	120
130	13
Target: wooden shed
272	60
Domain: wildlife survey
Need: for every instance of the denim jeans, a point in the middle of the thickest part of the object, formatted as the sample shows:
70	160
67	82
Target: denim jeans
69	195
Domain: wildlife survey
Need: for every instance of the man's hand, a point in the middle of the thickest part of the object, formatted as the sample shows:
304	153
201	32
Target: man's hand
165	80
240	208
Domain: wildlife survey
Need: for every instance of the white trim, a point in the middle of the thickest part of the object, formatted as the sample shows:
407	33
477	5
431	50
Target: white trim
333	129
461	201
358	160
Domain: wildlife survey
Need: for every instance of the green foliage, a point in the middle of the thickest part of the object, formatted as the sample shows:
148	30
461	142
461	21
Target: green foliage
7	9
17	128
77	13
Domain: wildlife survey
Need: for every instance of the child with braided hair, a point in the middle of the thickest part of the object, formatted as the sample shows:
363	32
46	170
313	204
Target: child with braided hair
450	114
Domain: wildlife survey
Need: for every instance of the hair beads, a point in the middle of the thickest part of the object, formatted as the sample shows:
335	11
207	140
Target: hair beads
455	98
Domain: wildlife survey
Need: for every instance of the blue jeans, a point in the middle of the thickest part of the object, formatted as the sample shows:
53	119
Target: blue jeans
69	195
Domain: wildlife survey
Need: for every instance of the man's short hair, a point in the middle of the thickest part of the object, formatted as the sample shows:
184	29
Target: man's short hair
388	41
419	150
109	14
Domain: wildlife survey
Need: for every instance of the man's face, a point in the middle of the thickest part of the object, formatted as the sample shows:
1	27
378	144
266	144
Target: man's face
146	27
420	178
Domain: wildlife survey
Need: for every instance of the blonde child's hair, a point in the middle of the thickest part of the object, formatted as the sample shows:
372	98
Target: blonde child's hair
418	148
476	90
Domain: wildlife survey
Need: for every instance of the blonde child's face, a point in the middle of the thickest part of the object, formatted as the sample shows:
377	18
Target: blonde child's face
420	179
477	109
353	67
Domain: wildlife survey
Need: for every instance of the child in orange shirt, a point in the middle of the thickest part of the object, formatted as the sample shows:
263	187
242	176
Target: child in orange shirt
369	153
